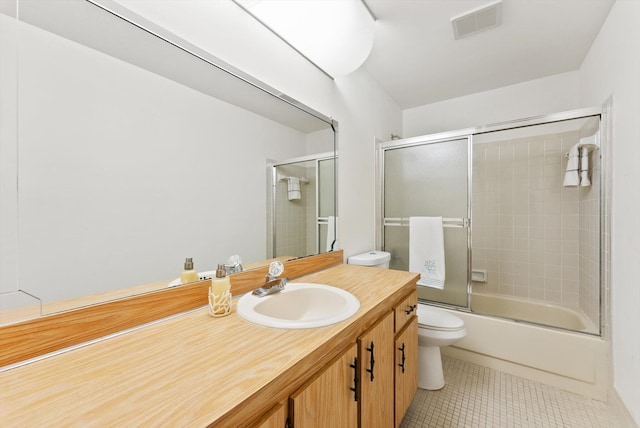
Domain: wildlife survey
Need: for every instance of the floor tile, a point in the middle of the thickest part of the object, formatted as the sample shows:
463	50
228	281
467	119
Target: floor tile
479	397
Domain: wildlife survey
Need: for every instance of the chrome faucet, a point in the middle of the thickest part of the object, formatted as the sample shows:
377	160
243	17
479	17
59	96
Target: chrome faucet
233	265
272	283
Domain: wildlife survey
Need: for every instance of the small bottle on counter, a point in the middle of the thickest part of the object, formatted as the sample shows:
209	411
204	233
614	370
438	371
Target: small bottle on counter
221	282
188	274
220	293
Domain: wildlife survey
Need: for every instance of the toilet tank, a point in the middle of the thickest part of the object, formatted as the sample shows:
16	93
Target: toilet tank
377	259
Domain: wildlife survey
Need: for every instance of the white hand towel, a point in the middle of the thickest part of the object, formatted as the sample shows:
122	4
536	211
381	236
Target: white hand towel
332	233
426	250
584	167
293	187
571	177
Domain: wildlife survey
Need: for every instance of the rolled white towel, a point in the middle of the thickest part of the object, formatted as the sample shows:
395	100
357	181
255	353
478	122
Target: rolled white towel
584	167
293	188
571	177
573	163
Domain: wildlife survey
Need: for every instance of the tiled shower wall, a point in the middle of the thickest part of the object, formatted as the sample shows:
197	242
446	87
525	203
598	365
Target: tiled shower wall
292	218
528	230
590	243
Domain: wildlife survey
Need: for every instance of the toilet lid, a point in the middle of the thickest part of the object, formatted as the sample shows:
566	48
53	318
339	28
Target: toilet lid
372	258
438	319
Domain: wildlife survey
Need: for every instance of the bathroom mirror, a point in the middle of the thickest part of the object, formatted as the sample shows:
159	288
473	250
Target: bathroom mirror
303	205
132	149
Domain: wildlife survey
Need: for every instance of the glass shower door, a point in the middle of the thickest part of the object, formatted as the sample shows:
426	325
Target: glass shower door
326	194
430	179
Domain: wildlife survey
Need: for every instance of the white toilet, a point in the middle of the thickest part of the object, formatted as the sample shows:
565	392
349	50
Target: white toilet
436	328
377	259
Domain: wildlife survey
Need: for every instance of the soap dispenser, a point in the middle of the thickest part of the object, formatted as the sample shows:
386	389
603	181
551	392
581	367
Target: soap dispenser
188	274
220	294
221	282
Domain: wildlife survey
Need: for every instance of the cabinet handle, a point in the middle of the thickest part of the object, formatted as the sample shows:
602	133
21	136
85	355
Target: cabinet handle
372	361
410	309
401	349
354	366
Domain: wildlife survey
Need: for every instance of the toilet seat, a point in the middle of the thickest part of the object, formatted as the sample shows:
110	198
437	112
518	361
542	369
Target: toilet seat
437	319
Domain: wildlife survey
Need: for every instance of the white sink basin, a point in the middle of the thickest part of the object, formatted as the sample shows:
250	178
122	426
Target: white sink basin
299	305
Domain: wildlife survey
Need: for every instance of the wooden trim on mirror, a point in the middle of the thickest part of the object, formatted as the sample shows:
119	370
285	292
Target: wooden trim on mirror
39	336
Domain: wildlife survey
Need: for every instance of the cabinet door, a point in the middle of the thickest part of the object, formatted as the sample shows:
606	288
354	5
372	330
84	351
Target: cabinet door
406	368
274	418
328	400
376	358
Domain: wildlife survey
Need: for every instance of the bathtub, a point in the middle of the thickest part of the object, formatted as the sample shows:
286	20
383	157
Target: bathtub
532	311
574	362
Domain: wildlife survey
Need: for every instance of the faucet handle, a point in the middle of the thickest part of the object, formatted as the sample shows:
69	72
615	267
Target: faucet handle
275	269
233	264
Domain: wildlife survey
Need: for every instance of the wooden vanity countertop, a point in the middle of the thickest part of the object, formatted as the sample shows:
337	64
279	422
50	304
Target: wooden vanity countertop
192	369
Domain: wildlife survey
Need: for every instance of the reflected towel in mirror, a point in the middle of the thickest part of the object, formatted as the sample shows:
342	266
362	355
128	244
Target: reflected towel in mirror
293	188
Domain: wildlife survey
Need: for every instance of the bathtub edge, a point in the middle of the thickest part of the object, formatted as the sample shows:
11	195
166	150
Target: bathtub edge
578	365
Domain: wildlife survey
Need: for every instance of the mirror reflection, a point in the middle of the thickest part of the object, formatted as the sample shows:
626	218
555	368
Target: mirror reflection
132	150
304	199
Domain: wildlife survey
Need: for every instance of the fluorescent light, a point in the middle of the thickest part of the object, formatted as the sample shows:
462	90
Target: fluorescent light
335	35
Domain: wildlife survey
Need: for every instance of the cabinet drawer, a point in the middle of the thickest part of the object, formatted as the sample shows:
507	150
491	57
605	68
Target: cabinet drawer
405	310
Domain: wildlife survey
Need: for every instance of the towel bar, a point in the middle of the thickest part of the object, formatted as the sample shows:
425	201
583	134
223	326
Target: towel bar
446	222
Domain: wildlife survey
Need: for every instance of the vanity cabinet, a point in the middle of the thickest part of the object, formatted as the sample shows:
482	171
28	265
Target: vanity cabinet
275	418
406	355
376	358
329	398
386	368
294	378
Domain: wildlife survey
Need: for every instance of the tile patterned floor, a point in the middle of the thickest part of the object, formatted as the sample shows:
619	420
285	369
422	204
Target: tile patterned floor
479	397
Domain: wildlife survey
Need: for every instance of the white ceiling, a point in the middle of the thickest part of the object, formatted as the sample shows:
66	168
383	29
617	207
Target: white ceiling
416	59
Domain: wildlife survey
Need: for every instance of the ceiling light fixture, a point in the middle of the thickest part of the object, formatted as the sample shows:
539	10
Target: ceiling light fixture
477	20
335	35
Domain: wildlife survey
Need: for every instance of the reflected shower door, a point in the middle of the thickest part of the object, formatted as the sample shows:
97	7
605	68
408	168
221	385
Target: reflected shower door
300	225
326	195
430	179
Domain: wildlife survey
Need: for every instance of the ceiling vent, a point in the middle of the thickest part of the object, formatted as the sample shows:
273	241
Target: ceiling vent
477	20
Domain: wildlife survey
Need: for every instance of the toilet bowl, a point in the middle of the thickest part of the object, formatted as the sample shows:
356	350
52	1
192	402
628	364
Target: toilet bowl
436	328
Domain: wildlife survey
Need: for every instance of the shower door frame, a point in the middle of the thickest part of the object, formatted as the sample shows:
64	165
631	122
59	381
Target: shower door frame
604	115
